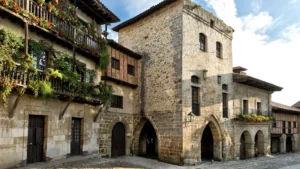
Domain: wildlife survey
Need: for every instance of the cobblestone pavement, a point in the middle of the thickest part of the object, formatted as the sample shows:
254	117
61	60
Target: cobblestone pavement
286	161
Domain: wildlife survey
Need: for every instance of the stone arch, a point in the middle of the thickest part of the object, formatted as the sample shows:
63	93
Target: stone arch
259	143
118	140
246	148
107	132
135	146
212	124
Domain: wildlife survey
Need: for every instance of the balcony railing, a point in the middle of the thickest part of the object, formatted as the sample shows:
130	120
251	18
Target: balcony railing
17	76
64	29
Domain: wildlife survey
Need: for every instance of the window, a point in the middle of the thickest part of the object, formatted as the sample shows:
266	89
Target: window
130	70
225	87
225	105
258	108
115	63
283	127
290	127
117	102
245	106
195	101
219	50
202	42
40	60
81	69
89	76
195	79
295	124
212	23
274	124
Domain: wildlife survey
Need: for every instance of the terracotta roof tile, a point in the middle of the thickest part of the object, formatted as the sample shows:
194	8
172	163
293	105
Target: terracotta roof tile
284	108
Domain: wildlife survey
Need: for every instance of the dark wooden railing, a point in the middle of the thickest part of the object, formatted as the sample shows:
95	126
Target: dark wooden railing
71	32
18	77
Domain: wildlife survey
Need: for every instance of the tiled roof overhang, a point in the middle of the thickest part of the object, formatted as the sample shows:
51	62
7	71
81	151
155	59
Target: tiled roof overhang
123	49
97	10
251	81
280	108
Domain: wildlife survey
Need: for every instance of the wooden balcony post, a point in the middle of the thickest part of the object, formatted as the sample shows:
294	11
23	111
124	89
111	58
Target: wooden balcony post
26	29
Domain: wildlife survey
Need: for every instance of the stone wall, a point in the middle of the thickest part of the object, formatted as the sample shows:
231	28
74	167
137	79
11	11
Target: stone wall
14	131
158	38
195	62
129	116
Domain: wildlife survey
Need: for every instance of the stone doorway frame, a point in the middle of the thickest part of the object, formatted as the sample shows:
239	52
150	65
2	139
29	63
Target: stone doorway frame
249	146
136	136
259	143
215	128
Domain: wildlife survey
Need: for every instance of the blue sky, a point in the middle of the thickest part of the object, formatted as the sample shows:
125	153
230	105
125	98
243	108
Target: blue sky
266	38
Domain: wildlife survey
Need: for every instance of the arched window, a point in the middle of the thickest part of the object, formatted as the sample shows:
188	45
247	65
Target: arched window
195	79
219	50
202	42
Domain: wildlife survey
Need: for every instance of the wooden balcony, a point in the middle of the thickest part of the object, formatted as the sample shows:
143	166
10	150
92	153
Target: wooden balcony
41	17
63	90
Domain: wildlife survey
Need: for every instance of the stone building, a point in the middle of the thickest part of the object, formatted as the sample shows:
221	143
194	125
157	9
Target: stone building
191	95
285	129
35	129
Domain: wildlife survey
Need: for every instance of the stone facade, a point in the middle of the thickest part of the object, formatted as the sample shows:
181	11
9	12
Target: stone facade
168	38
95	135
285	129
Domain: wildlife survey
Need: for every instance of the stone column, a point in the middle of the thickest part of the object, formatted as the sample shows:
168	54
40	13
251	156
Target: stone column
237	152
250	150
294	143
283	143
218	151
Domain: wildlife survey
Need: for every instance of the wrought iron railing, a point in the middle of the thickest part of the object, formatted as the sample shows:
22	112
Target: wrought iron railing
16	75
63	28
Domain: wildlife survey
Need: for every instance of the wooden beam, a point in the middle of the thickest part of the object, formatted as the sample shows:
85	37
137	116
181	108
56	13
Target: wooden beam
98	114
64	111
13	110
92	10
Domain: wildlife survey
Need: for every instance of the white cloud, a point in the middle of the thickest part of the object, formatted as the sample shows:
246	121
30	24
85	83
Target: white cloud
135	7
256	5
275	61
260	22
293	1
113	35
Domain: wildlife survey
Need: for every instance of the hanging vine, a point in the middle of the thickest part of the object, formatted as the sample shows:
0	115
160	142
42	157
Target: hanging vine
11	52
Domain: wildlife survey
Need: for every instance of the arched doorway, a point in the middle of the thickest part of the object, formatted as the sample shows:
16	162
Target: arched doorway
259	143
289	144
148	145
211	141
245	147
118	140
207	144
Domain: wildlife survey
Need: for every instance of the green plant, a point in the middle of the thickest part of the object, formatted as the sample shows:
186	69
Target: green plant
41	88
6	87
106	94
104	56
51	73
40	2
254	118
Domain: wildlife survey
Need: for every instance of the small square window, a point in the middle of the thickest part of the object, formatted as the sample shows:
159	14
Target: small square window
195	79
115	63
130	70
117	102
212	23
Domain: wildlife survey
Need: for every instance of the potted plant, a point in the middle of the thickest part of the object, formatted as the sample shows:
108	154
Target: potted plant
40	2
50	7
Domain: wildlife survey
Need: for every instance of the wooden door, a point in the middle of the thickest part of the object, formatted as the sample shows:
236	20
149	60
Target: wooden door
118	140
76	137
35	144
